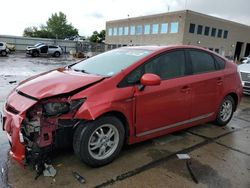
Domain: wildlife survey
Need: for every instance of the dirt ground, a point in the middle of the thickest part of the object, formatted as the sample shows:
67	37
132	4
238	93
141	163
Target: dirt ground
220	156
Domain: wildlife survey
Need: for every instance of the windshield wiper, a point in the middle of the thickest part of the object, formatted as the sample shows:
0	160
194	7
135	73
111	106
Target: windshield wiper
83	71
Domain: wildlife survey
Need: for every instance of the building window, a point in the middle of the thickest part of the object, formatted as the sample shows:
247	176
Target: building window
132	30
174	26
211	49
213	33
110	31
206	32
115	31
164	28
199	30
219	33
217	50
139	30
125	30
191	28
225	34
155	28
146	29
120	31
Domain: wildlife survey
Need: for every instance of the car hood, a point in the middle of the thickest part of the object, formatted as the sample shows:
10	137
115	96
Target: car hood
244	68
31	48
56	82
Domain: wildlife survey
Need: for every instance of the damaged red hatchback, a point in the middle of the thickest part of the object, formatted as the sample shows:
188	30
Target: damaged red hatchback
126	95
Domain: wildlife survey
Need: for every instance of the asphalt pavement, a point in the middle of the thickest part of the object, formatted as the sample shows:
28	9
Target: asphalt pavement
219	156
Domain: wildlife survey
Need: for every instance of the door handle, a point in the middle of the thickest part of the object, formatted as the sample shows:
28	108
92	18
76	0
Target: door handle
185	89
219	81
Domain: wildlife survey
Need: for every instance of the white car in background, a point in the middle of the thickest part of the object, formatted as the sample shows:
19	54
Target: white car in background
244	70
246	59
3	49
44	49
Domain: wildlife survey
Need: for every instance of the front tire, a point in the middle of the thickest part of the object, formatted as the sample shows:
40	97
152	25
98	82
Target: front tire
99	142
3	53
226	111
35	54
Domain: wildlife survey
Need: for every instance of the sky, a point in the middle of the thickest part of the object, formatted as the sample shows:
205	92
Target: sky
90	15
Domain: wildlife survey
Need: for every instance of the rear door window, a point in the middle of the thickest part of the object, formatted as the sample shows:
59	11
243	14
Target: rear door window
201	62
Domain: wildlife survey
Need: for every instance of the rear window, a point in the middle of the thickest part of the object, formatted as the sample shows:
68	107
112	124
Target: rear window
201	62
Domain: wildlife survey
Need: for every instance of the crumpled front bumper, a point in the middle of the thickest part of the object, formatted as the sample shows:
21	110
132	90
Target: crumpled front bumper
11	124
12	117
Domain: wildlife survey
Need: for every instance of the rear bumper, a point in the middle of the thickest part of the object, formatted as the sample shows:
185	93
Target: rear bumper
11	124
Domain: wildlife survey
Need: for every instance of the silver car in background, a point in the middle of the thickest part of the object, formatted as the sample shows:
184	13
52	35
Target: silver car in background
44	49
244	70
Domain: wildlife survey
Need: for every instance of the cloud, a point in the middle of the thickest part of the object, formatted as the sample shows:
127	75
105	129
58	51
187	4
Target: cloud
91	15
96	15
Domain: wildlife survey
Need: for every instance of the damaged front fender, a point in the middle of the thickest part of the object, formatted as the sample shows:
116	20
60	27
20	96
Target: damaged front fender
35	128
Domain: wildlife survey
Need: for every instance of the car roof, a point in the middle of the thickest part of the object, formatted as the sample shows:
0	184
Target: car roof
169	47
157	48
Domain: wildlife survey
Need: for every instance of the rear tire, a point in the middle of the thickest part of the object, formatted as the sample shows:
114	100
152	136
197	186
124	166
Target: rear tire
57	54
226	111
99	142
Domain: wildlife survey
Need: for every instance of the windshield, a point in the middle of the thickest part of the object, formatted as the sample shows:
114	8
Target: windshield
38	44
112	62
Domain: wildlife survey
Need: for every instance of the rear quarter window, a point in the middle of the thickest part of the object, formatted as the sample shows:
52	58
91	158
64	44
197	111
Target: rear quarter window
220	63
201	62
53	47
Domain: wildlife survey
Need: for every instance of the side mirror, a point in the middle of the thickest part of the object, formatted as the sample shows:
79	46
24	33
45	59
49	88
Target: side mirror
149	79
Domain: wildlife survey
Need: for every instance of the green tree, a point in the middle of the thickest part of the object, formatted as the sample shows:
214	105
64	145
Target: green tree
56	27
98	37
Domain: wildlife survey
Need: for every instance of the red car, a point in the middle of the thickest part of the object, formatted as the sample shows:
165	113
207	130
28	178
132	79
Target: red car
123	96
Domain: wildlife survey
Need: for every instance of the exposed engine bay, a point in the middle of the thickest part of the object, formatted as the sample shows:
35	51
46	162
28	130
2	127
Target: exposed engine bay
48	125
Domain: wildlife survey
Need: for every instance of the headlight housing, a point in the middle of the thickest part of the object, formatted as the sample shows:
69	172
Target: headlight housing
58	108
55	108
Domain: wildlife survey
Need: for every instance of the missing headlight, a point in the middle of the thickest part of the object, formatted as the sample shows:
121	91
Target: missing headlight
58	108
55	108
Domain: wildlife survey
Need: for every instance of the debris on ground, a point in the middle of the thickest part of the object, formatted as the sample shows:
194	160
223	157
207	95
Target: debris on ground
59	165
49	171
79	55
188	164
183	156
78	177
12	82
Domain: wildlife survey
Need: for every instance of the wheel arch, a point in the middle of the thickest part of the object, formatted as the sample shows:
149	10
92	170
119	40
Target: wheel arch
235	98
57	52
